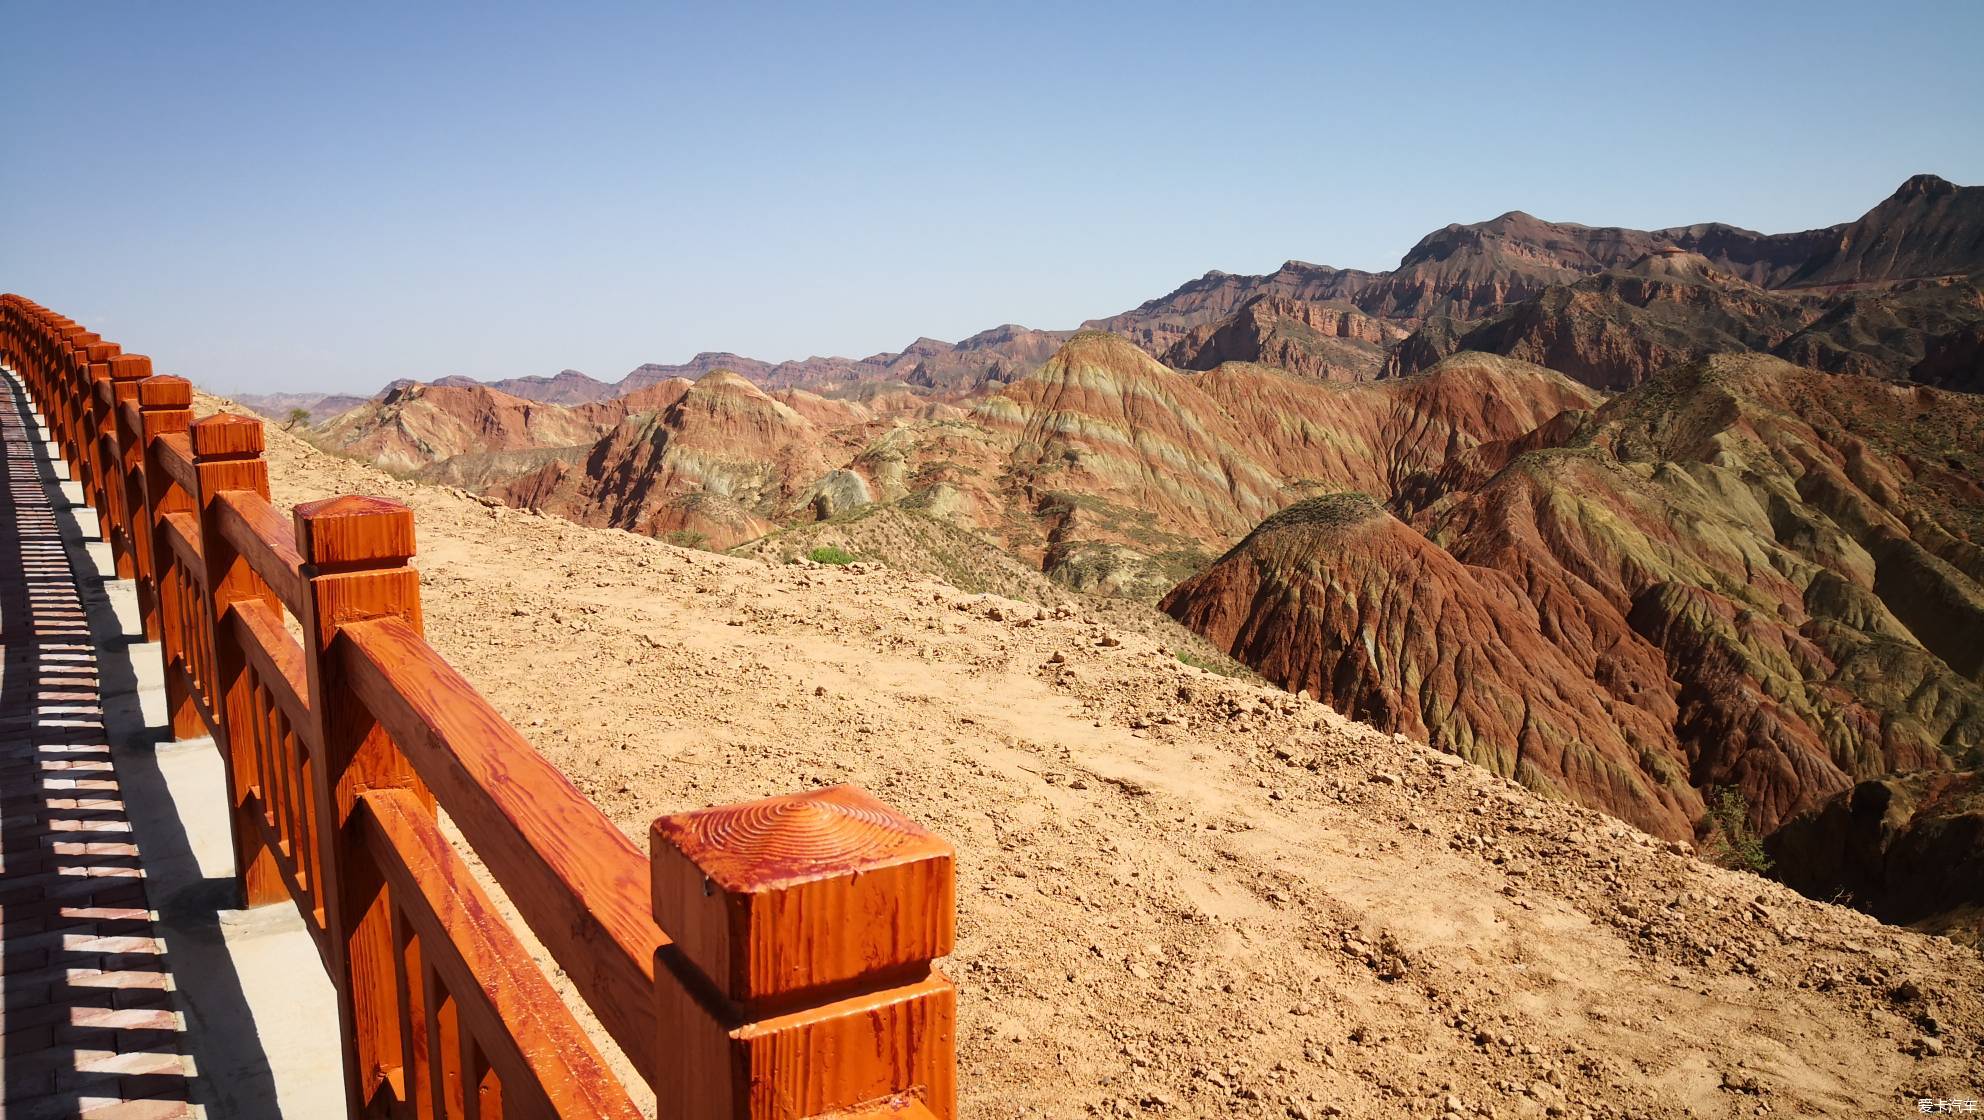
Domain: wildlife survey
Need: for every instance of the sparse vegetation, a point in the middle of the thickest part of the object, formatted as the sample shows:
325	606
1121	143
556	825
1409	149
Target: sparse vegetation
1208	664
297	418
831	554
1731	842
1329	511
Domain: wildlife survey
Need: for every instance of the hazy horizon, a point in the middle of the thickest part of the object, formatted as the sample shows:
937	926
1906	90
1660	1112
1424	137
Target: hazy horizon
331	199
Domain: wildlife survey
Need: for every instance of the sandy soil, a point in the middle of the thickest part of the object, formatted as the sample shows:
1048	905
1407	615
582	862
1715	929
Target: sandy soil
1183	894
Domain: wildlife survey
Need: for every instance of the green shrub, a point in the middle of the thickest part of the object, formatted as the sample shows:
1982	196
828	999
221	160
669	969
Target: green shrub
1730	841
829	554
1210	666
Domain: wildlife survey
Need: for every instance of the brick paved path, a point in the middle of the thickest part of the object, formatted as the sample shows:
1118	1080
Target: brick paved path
85	999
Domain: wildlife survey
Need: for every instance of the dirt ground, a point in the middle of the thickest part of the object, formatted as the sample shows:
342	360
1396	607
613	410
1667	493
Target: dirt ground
1182	894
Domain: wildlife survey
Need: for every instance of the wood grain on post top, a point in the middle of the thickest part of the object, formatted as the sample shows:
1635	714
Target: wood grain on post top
130	367
799	982
226	436
354	532
790	893
164	391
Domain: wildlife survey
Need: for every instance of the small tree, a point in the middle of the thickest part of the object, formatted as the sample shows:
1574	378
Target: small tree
296	417
1731	843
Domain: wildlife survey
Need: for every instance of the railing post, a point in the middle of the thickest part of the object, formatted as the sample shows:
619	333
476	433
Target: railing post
58	397
114	523
227	455
10	320
165	405
88	359
137	537
800	980
355	552
71	372
98	373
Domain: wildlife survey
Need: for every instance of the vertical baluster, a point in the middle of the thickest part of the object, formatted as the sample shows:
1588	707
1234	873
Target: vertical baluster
196	634
482	1090
203	641
189	648
355	552
282	784
256	729
182	587
411	995
278	791
308	827
175	581
443	1049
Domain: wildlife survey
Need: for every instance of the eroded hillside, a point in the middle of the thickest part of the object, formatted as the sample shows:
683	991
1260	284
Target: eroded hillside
1182	894
1742	576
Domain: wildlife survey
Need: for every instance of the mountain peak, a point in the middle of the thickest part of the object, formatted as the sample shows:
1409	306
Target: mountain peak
1324	514
722	376
1925	185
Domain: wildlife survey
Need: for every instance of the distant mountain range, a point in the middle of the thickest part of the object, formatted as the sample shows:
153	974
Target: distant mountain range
1686	525
1893	293
997	356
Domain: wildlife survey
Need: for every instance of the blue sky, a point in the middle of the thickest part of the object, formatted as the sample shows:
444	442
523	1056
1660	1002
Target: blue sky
289	196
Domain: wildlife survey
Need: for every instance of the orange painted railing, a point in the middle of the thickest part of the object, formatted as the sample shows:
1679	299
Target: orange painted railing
765	960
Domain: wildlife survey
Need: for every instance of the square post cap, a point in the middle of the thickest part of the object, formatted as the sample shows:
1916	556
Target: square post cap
225	435
787	894
130	367
164	392
351	532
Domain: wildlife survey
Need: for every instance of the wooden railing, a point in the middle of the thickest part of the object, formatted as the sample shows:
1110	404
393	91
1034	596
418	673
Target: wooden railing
772	959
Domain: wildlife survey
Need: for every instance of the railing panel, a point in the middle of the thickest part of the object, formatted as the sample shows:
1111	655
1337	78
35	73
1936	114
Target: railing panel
276	656
519	1027
577	880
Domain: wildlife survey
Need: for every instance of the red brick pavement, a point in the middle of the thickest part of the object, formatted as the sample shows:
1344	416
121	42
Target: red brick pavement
85	988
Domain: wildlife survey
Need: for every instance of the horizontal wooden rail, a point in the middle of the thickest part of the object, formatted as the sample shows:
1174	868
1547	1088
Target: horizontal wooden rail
182	532
774	959
173	452
259	533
